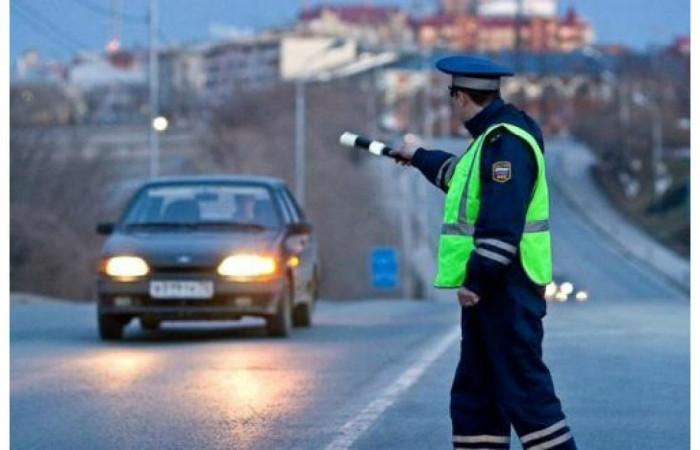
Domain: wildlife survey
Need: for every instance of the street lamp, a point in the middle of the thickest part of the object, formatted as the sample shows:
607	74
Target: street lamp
153	88
300	119
160	124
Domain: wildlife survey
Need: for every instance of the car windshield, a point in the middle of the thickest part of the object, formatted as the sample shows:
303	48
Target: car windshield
203	205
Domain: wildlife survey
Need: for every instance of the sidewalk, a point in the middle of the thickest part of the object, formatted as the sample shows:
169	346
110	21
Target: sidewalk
569	170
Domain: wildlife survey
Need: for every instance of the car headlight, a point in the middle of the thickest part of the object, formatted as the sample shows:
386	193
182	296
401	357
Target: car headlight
125	267
247	266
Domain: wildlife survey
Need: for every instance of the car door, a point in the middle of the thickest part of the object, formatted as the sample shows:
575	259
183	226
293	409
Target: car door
304	272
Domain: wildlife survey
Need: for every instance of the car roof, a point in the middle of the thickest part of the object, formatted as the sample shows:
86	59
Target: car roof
196	179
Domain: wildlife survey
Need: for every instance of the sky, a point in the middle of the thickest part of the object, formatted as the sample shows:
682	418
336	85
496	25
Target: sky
59	28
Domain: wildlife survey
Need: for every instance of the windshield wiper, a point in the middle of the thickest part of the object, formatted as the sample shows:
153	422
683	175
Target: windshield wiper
238	225
161	225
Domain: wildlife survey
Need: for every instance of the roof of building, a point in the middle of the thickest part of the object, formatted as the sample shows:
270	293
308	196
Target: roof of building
353	13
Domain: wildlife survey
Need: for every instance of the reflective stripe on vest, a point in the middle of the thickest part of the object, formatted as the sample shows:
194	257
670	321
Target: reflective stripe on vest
462	205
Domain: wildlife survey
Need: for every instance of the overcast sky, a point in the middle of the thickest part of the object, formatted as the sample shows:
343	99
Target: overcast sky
60	27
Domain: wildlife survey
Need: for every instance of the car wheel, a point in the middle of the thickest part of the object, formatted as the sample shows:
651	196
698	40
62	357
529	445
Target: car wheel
302	315
280	325
149	323
303	312
111	327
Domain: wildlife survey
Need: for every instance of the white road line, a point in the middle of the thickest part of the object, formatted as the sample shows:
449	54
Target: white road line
355	427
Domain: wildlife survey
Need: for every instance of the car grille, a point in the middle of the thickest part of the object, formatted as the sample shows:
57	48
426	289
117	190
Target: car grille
183	269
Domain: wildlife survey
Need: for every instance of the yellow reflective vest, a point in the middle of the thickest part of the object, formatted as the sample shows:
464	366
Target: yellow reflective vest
462	206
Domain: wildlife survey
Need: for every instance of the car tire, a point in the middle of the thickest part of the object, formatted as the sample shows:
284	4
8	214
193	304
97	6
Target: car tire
302	315
149	323
111	327
280	325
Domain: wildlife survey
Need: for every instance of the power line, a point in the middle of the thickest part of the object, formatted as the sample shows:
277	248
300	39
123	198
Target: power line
32	14
51	41
131	18
51	34
101	10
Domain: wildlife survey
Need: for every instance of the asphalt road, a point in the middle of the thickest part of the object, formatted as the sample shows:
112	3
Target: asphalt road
370	374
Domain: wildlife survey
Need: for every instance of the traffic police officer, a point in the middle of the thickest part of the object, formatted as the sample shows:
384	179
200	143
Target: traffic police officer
495	248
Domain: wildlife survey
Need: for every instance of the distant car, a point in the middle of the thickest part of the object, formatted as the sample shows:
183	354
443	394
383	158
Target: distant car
198	248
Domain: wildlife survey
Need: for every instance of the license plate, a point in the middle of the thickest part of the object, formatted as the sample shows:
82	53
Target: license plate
181	289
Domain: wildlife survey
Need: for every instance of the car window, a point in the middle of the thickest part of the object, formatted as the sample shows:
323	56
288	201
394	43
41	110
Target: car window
295	206
289	208
204	203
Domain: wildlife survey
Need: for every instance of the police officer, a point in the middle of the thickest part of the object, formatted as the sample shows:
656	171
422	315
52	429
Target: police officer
495	248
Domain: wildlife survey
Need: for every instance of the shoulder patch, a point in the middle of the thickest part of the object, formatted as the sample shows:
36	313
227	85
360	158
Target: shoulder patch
501	171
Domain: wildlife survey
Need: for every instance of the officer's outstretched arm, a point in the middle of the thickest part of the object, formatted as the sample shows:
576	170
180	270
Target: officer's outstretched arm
508	174
436	166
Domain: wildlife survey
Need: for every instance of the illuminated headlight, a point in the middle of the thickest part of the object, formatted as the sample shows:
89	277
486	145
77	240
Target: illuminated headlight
246	266
567	288
126	267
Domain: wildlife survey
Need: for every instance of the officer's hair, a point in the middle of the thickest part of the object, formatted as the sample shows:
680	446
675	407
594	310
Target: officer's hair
481	98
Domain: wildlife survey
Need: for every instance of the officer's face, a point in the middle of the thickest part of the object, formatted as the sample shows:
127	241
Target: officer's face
462	103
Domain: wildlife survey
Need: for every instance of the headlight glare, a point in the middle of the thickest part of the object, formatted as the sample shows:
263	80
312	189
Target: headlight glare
246	266
126	267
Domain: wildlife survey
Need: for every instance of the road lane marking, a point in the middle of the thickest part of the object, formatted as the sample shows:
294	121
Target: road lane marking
355	427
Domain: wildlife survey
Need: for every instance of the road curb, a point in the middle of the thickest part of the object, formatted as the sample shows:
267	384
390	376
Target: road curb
18	297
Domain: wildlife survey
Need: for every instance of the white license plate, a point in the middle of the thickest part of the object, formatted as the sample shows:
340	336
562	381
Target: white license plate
181	289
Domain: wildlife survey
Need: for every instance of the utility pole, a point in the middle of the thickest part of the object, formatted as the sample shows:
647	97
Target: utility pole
657	137
300	142
153	87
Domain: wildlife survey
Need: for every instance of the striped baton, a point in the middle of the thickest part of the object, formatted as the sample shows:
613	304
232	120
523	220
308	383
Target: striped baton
375	147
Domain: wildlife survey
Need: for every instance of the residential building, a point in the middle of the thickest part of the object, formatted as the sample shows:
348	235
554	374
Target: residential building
459	6
511	8
536	31
369	25
241	65
182	79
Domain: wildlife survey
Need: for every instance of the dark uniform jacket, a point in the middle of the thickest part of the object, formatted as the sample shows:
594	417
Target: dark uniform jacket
504	204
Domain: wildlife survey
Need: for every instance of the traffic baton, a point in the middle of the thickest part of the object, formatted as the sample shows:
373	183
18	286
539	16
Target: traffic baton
375	147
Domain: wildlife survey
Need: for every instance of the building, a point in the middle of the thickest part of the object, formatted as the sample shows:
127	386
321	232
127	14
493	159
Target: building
512	8
498	28
30	68
94	70
554	87
681	45
459	7
455	31
182	79
368	25
241	65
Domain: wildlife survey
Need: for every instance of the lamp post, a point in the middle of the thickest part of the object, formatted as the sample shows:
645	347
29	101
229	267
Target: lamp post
657	142
153	146
300	124
300	142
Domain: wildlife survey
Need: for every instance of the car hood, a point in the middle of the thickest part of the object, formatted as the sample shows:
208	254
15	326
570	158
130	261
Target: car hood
189	248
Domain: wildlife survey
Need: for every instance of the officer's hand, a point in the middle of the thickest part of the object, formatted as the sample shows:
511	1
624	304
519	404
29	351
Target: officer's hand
467	297
404	155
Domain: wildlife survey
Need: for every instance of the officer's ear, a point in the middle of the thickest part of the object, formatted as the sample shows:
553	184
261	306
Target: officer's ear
463	99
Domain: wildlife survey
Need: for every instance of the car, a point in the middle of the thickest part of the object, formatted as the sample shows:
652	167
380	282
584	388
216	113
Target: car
208	248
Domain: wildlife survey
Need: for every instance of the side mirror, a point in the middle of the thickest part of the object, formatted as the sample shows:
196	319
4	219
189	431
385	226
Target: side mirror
299	228
105	228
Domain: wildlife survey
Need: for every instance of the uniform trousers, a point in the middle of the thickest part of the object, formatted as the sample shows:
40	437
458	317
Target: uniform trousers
501	379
